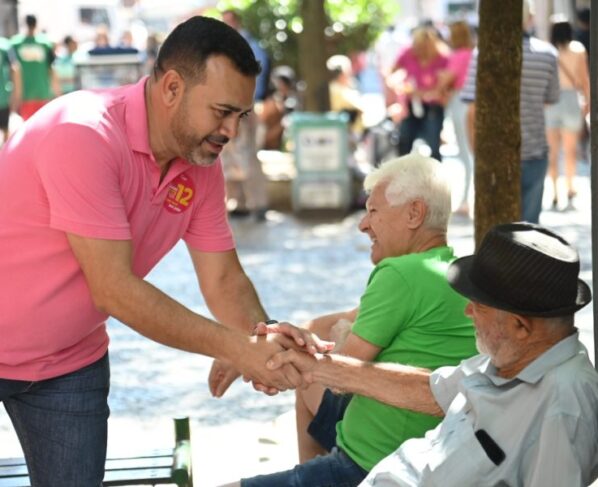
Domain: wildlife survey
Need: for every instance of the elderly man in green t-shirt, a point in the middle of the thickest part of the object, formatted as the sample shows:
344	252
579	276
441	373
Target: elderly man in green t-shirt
408	314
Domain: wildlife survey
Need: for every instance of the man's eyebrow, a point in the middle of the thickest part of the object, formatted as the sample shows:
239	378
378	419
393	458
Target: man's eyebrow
232	108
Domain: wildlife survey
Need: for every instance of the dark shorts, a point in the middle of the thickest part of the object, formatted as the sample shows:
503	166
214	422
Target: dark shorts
4	115
331	411
335	469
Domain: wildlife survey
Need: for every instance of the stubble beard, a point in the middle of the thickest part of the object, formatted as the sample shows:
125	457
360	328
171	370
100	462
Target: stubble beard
191	146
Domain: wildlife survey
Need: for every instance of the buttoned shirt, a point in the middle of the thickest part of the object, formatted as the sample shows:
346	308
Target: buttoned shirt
544	420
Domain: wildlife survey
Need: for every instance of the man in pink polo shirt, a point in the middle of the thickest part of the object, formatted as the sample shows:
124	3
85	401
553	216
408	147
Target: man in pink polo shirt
96	188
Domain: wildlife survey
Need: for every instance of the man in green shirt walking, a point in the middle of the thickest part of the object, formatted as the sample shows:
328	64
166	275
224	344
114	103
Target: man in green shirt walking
35	55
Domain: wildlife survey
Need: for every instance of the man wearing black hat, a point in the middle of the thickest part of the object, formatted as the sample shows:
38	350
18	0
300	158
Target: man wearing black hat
524	411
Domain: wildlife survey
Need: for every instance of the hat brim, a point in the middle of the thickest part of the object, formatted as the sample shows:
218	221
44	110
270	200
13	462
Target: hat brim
458	278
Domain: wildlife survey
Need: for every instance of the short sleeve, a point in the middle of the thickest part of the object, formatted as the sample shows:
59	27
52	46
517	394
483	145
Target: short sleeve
444	383
78	169
381	317
209	230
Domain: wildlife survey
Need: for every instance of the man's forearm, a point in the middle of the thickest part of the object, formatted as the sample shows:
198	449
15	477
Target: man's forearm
155	315
235	303
393	384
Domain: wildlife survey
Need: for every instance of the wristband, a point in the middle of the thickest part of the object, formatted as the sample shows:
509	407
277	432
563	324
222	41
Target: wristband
271	322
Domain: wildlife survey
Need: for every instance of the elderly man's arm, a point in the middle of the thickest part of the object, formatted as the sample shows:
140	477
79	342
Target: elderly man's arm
394	384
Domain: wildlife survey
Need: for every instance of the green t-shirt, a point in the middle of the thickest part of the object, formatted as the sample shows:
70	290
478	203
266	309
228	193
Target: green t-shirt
5	77
411	313
35	56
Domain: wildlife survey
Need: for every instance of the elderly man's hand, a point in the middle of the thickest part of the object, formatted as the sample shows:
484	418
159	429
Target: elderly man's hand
252	364
303	362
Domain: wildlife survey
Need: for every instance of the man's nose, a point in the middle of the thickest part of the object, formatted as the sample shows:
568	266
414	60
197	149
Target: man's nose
230	127
364	224
469	310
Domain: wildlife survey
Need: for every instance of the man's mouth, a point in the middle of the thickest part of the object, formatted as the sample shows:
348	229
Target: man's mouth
216	144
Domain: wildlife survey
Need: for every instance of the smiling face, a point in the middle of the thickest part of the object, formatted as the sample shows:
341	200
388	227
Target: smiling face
386	225
208	113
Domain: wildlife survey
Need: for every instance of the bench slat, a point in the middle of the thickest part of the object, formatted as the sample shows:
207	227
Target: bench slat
126	477
113	464
166	465
111	478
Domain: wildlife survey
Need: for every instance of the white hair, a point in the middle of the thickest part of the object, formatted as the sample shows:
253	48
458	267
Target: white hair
411	177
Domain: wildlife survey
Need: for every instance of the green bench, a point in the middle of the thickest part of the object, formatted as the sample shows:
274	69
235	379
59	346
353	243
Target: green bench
155	467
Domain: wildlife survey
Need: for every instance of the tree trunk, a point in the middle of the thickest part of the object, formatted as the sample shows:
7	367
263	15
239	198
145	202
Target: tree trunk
497	123
312	56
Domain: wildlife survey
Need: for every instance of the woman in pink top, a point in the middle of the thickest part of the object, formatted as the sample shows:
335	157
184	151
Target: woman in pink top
564	119
420	66
452	80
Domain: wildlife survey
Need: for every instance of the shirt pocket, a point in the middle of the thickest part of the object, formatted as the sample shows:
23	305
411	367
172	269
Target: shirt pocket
456	457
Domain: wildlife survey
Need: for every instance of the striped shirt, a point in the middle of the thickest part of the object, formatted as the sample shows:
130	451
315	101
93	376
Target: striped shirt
539	86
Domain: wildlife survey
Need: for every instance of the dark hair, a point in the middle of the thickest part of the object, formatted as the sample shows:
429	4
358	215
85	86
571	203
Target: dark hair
561	33
191	43
31	21
583	15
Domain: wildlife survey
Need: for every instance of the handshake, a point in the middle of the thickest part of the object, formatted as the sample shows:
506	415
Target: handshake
277	357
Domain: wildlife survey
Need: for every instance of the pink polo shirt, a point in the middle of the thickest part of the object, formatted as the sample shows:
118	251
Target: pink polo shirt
424	77
83	165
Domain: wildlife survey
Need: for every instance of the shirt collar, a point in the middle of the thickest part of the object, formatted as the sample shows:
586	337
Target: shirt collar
557	354
136	117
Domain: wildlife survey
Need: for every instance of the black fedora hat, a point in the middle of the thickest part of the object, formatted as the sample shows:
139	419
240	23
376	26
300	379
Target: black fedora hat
522	268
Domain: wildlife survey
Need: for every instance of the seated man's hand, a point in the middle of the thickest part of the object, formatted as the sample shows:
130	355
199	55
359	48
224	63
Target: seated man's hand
301	339
252	365
222	375
303	362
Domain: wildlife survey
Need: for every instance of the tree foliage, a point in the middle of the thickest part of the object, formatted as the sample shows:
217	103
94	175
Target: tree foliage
351	25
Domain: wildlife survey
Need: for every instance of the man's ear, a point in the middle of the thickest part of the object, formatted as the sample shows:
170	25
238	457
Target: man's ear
172	87
417	213
524	325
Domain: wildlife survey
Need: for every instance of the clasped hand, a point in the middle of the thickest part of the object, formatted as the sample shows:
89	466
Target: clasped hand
268	341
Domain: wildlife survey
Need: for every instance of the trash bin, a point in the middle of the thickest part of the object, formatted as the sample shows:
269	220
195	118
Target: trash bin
320	146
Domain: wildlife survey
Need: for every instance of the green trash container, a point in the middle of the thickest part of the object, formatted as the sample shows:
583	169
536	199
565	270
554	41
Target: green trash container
323	179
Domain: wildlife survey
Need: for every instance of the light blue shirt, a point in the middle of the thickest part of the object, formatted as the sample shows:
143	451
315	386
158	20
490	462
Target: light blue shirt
545	421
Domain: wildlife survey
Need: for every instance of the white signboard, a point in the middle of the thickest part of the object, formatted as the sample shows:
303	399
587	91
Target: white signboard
319	149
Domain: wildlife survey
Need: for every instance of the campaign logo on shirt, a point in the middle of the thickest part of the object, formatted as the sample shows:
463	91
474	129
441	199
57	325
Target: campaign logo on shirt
180	194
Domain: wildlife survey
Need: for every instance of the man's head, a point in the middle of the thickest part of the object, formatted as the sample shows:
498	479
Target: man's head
583	18
204	78
524	289
408	206
340	67
30	22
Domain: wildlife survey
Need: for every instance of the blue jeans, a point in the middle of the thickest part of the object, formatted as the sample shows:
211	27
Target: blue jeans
62	425
335	469
533	173
428	128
